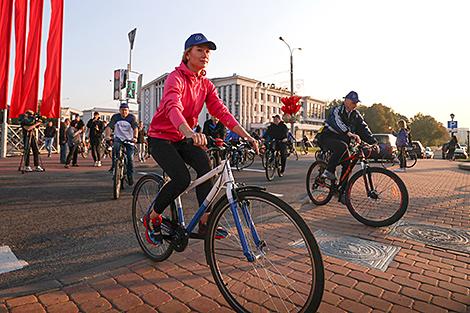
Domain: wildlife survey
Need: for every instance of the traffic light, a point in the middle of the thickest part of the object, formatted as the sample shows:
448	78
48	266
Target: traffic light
117	85
131	90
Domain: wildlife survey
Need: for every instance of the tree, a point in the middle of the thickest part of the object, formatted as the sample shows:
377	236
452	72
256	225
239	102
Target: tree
427	130
330	105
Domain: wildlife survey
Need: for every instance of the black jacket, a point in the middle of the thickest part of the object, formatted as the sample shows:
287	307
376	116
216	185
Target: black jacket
340	122
50	132
277	132
215	131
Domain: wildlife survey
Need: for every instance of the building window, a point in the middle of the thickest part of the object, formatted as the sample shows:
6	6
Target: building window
229	93
262	97
237	93
269	98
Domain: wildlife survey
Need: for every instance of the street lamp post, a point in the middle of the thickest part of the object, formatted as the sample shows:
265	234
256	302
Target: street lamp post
291	51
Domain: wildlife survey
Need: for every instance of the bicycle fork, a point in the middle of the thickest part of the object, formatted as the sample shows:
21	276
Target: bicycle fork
250	256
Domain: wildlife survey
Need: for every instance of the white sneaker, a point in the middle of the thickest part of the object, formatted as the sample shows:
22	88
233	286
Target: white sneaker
39	169
399	170
98	163
28	169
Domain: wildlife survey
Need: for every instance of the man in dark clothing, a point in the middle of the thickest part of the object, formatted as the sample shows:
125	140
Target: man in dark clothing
95	133
278	131
29	124
63	140
79	124
343	124
214	128
49	135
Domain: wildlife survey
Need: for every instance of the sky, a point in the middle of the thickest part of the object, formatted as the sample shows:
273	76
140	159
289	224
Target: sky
412	56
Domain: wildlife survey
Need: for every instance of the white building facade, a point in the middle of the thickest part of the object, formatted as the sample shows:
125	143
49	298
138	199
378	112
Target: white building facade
252	102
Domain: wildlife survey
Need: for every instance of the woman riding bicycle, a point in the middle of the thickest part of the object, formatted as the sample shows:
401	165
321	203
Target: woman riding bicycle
343	124
186	90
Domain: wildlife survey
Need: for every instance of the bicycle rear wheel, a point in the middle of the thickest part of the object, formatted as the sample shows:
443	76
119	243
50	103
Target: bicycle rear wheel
411	159
318	189
145	191
280	173
287	274
378	198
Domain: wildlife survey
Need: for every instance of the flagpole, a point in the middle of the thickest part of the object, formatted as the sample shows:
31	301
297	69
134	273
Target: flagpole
4	138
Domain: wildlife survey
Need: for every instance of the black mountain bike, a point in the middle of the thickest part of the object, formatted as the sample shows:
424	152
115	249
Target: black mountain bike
272	160
375	196
120	170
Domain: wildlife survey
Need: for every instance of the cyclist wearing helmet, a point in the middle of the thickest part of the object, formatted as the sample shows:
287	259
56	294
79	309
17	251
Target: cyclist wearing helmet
343	124
186	90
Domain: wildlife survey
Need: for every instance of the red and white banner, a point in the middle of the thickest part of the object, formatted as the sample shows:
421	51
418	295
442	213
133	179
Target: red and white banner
6	11
16	103
50	105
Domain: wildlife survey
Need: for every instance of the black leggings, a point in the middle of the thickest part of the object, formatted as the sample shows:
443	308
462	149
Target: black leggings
96	149
339	150
172	158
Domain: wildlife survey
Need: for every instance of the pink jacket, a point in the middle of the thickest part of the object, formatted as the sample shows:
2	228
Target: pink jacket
183	97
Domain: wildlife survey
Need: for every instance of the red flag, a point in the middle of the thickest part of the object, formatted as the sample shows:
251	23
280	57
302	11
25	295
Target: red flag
6	7
50	105
16	105
31	73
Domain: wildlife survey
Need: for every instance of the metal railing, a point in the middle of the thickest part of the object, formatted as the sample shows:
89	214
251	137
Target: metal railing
15	143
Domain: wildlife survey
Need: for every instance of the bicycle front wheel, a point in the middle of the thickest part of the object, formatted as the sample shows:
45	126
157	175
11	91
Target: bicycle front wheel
287	272
145	191
377	197
318	189
270	165
117	179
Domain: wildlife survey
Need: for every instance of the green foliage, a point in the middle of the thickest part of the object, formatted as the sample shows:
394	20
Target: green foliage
427	130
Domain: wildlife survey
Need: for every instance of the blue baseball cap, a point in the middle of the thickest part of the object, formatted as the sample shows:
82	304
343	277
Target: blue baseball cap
124	105
198	39
353	96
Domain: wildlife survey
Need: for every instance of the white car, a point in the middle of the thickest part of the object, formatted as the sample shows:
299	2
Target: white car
428	153
460	152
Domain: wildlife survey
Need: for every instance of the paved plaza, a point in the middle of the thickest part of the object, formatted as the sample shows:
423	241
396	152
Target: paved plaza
428	269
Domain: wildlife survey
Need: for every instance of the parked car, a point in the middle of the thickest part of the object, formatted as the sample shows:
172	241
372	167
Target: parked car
428	153
460	152
387	144
418	148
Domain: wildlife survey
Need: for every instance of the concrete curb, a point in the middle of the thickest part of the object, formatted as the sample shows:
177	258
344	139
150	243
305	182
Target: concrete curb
464	166
59	283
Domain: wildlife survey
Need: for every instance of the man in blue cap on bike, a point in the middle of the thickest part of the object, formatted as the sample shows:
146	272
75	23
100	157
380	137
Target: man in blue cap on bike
126	131
343	124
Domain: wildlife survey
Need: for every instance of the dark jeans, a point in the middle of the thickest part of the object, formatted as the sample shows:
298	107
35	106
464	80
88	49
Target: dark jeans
63	153
402	156
73	155
95	145
129	153
30	143
172	158
338	149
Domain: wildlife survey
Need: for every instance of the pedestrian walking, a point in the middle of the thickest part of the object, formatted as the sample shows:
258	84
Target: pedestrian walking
402	143
63	140
141	145
74	139
95	129
49	135
452	146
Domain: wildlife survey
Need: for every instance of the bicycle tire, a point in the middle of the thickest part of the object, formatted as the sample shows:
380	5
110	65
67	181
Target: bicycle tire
292	247
278	164
151	184
270	167
117	181
396	210
411	159
312	183
248	159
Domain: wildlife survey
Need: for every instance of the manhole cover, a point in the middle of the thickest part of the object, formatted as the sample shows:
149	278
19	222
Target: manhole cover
446	238
363	252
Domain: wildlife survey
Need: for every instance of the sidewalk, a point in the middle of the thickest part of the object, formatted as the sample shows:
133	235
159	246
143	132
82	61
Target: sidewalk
421	277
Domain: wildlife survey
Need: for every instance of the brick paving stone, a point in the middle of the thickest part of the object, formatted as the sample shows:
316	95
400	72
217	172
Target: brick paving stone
438	276
376	303
450	304
387	284
68	307
343	280
156	298
95	306
398	299
401	309
174	306
21	301
338	269
142	288
416	294
328	308
143	308
28	308
361	276
460	298
424	279
126	302
332	298
427	308
349	293
185	294
454	288
203	304
84	294
53	298
354	307
406	282
435	290
380	274
369	289
113	292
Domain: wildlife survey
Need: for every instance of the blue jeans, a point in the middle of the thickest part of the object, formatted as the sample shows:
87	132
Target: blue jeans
63	152
48	143
129	152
